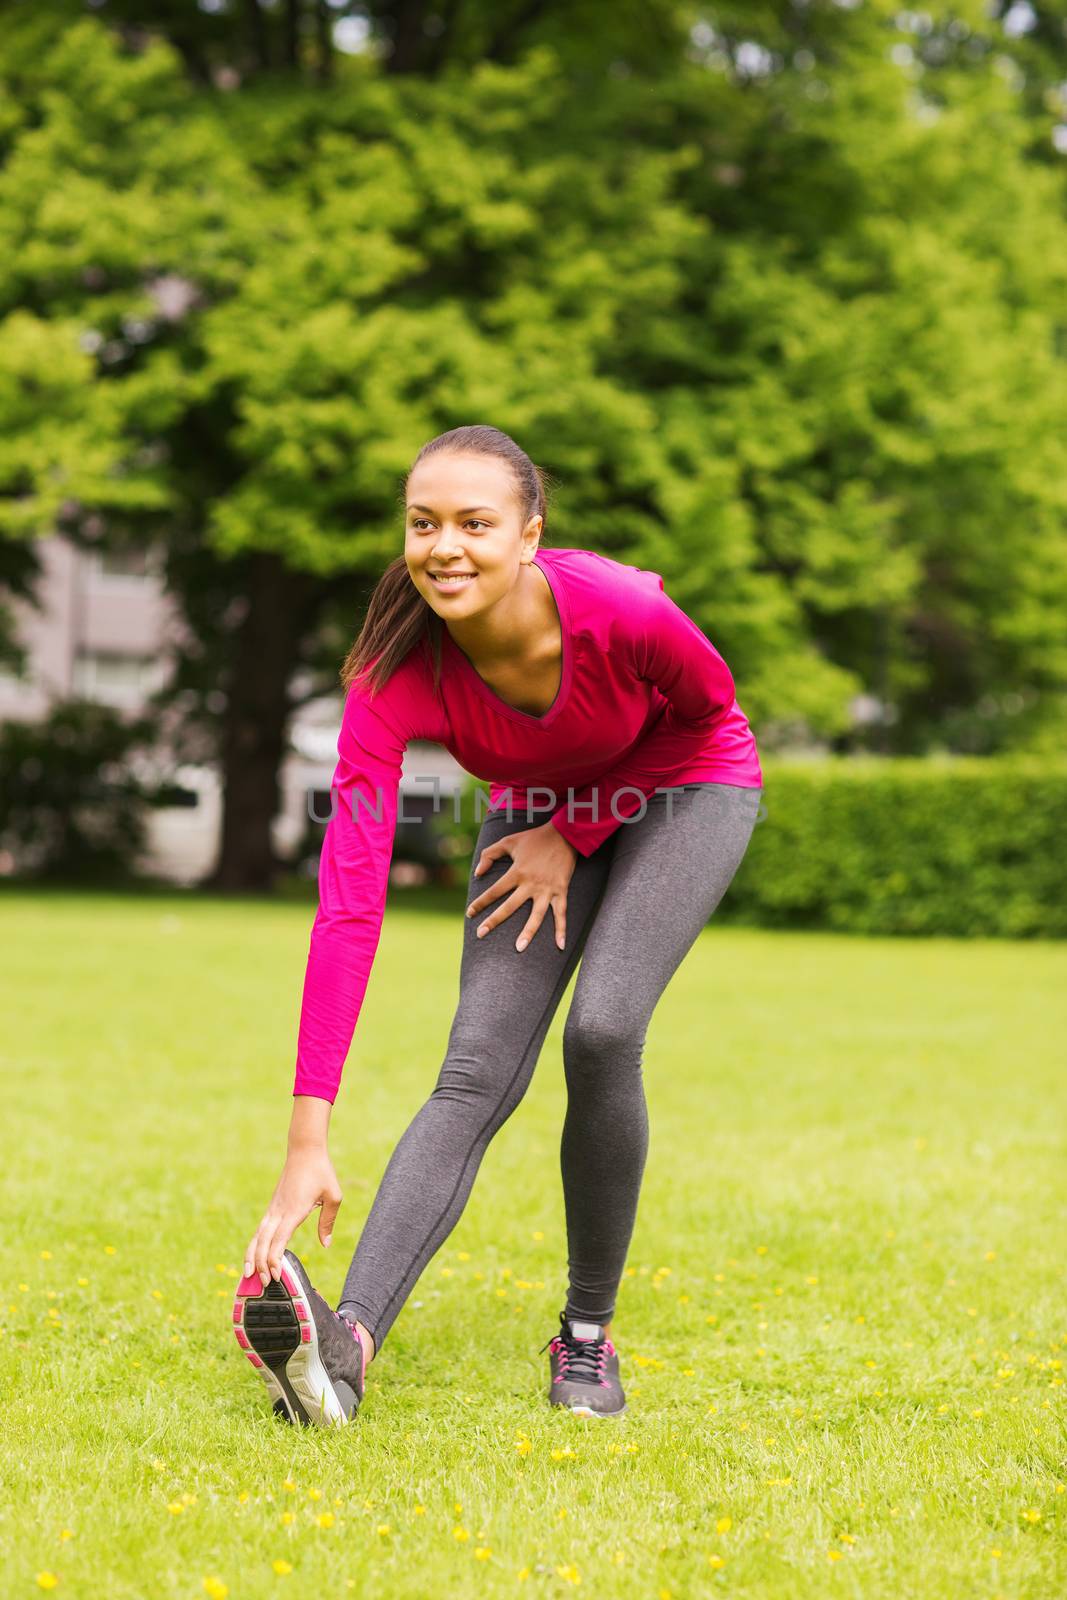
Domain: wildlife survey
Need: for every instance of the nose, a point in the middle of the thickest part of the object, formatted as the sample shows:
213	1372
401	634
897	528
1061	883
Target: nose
446	546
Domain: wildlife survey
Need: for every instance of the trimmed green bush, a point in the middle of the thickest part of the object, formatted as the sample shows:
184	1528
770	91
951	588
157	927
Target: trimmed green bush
955	846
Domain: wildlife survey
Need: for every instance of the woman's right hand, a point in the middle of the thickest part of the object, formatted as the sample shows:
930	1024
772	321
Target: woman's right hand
308	1180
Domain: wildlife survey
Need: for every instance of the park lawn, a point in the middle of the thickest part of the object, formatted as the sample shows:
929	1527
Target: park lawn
842	1329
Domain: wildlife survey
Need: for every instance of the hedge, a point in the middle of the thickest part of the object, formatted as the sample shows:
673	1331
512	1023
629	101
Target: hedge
960	846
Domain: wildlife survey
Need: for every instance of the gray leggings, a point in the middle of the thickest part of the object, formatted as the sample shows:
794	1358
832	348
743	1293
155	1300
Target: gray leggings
634	907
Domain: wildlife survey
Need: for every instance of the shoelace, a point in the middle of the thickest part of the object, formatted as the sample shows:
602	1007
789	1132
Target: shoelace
580	1360
354	1331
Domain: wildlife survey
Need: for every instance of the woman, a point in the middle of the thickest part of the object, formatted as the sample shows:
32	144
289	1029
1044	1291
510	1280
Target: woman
602	713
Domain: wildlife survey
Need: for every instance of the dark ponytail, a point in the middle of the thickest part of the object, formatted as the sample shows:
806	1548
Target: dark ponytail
398	619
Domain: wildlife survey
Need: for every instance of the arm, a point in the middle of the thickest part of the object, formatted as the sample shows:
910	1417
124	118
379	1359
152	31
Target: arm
666	647
353	883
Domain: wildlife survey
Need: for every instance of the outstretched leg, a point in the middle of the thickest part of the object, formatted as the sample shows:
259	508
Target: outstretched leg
507	1001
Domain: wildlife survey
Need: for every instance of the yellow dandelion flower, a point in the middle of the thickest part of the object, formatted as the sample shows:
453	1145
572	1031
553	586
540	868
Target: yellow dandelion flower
188	1499
287	1518
941	1410
712	1318
314	1494
463	1255
419	1511
46	1580
384	1528
724	1525
458	1508
619	1558
569	1574
991	1255
215	1589
109	1250
688	1372
83	1283
461	1534
175	1508
1061	1488
24	1288
978	1412
846	1538
243	1498
523	1446
65	1534
483	1553
834	1555
325	1519
1031	1515
282	1568
811	1279
716	1561
289	1485
522	1574
996	1554
46	1255
157	1294
447	1272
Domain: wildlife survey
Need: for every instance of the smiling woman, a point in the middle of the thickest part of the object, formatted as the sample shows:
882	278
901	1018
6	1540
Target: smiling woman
585	696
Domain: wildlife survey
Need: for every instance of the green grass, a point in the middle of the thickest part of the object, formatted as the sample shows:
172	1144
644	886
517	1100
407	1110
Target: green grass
842	1326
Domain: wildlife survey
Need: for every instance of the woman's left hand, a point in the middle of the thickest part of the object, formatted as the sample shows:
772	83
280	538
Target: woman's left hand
542	862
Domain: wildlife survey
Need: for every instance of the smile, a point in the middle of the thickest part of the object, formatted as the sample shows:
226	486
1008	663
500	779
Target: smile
452	580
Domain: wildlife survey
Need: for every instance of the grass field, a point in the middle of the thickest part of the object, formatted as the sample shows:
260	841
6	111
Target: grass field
842	1328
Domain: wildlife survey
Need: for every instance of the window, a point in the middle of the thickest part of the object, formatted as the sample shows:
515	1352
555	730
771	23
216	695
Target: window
107	675
128	565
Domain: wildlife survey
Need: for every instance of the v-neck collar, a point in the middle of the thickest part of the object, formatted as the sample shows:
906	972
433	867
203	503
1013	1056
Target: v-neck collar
559	594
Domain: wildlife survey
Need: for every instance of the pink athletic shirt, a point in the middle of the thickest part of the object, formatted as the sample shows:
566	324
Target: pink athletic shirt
644	702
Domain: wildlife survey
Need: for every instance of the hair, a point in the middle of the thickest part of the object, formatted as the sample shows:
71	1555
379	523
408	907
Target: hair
398	619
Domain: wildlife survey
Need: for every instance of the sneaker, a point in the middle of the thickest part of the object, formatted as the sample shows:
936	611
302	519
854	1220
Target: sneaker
310	1357
585	1370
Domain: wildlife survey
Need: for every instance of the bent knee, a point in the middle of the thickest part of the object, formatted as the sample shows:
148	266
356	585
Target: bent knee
591	1041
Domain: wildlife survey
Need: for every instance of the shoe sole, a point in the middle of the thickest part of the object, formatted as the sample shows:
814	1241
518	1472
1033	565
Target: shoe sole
275	1329
587	1411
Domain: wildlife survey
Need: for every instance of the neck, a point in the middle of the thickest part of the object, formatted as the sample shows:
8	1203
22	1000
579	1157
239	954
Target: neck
505	631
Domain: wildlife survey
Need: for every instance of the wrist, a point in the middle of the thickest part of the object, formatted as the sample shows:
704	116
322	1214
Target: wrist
309	1124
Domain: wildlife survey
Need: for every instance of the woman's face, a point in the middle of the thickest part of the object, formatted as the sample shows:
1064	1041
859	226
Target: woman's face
463	518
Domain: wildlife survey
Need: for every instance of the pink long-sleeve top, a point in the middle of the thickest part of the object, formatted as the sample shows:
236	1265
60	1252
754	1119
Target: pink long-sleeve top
644	702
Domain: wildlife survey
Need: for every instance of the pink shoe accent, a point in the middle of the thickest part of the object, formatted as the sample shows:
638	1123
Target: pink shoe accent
305	1334
301	1310
250	1288
255	1360
242	1338
238	1313
290	1283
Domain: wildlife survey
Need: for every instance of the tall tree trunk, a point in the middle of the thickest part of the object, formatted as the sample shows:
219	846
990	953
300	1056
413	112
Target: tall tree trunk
281	607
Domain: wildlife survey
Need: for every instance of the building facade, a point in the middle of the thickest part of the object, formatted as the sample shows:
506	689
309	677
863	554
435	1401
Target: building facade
106	630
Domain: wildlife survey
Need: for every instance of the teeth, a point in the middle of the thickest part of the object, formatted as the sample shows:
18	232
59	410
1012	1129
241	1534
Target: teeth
464	577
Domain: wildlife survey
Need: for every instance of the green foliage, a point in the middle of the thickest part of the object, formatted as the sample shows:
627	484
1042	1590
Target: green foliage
784	321
968	848
71	807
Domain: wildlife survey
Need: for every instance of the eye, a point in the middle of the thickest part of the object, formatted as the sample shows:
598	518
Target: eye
416	521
